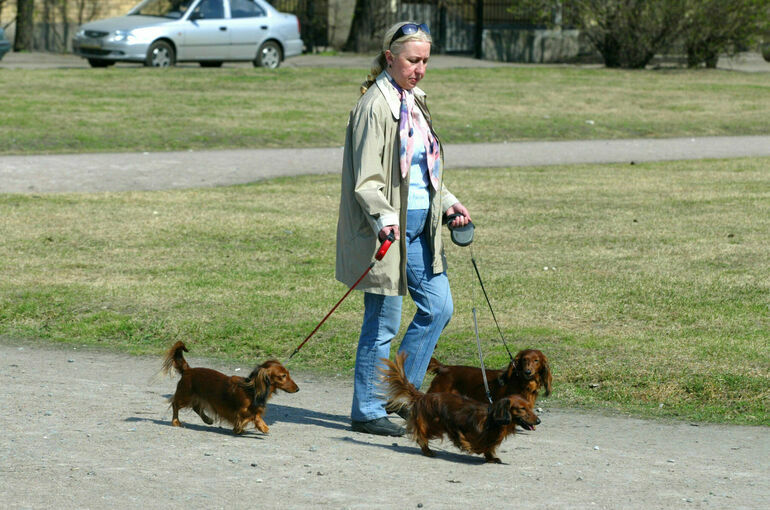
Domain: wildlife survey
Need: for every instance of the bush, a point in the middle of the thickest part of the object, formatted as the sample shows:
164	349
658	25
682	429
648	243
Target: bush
629	33
713	27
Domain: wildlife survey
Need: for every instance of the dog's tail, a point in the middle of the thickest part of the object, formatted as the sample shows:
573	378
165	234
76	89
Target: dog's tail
175	359
434	366
400	392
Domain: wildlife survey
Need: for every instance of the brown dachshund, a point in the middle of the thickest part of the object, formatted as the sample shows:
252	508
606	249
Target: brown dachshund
525	375
237	400
472	427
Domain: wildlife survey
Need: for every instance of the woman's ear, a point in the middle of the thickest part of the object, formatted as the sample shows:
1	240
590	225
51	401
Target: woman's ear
389	57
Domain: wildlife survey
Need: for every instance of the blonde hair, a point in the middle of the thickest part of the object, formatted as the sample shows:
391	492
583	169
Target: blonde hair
380	62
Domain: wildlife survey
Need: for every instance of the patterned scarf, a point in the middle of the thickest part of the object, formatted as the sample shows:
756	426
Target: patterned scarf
409	119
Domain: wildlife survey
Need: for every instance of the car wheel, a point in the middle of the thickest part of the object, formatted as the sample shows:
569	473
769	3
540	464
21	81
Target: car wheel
160	54
269	55
210	63
97	62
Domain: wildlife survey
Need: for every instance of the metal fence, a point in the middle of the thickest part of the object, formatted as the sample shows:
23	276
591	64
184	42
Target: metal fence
456	25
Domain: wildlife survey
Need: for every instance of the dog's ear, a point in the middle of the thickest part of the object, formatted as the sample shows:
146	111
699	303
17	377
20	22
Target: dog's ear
508	374
545	375
501	412
518	363
261	384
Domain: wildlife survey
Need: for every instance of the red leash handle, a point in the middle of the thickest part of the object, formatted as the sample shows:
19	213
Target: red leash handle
385	245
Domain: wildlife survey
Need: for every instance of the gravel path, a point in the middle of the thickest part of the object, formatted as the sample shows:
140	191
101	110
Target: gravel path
91	429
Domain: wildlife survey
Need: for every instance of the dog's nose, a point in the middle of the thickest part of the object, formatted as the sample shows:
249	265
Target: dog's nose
537	422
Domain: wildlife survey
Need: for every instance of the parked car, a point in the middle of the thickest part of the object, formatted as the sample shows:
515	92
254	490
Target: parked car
161	33
5	44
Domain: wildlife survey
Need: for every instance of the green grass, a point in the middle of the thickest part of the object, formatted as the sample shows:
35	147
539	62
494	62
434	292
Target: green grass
137	109
654	300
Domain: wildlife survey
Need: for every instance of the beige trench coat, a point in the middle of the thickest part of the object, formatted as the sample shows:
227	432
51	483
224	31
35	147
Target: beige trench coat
374	195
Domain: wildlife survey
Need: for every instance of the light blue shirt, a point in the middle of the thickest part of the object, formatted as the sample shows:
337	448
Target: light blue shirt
419	196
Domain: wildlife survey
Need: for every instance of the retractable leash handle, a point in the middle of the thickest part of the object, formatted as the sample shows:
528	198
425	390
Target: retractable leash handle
461	236
385	245
378	256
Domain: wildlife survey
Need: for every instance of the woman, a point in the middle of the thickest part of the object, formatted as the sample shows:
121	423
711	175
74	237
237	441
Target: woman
392	184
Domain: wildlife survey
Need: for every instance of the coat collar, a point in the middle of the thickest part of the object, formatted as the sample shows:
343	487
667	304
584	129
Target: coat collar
391	94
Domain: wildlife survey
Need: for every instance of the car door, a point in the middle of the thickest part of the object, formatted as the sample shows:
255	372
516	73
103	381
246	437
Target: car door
207	35
248	27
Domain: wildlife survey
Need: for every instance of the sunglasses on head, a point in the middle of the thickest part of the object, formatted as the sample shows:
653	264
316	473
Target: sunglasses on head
409	29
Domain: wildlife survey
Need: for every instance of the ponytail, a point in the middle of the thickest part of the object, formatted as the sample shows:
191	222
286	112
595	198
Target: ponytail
378	65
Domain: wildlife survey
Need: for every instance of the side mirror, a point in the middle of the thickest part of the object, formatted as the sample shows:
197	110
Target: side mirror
195	16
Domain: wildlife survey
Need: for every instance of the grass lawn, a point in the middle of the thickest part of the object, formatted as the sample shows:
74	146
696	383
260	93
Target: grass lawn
137	109
646	285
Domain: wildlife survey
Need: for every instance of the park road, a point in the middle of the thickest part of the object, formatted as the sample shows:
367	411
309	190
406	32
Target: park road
195	169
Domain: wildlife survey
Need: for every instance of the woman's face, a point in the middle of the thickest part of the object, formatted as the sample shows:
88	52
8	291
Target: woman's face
408	67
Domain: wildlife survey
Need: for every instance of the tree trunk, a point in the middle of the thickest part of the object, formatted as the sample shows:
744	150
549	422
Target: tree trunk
370	20
24	25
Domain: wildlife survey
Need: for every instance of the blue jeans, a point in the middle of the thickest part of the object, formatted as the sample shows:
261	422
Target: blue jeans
382	319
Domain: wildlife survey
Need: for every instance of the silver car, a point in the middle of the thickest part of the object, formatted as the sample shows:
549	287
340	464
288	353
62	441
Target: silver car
161	33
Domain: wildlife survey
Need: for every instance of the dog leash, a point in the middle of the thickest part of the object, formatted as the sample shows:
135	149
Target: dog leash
481	357
463	236
378	256
476	269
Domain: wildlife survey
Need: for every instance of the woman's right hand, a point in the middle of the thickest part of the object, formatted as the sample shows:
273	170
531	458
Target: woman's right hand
387	230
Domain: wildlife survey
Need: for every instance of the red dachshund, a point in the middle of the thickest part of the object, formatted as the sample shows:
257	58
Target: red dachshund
525	375
471	426
237	400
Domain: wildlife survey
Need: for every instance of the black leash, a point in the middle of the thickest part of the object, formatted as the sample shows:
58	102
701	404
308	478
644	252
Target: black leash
476	269
463	236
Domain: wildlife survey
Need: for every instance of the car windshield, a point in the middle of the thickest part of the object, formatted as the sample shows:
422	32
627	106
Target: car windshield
173	9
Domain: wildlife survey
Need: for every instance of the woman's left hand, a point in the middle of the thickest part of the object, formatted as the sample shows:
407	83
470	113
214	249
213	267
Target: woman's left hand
459	221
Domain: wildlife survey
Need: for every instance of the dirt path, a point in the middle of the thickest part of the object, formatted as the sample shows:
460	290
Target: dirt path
88	429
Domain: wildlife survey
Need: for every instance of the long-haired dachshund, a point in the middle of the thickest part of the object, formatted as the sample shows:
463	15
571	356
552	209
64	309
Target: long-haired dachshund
472	427
525	375
237	400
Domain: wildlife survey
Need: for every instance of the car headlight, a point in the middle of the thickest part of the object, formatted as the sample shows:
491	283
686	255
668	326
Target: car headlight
121	36
80	33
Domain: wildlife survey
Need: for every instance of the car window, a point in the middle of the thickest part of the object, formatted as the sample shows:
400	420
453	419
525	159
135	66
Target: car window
245	9
209	9
164	8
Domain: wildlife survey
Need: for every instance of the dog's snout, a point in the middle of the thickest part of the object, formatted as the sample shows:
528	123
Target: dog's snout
537	421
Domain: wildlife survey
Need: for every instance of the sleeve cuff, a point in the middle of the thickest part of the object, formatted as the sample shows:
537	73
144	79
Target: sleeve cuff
385	220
